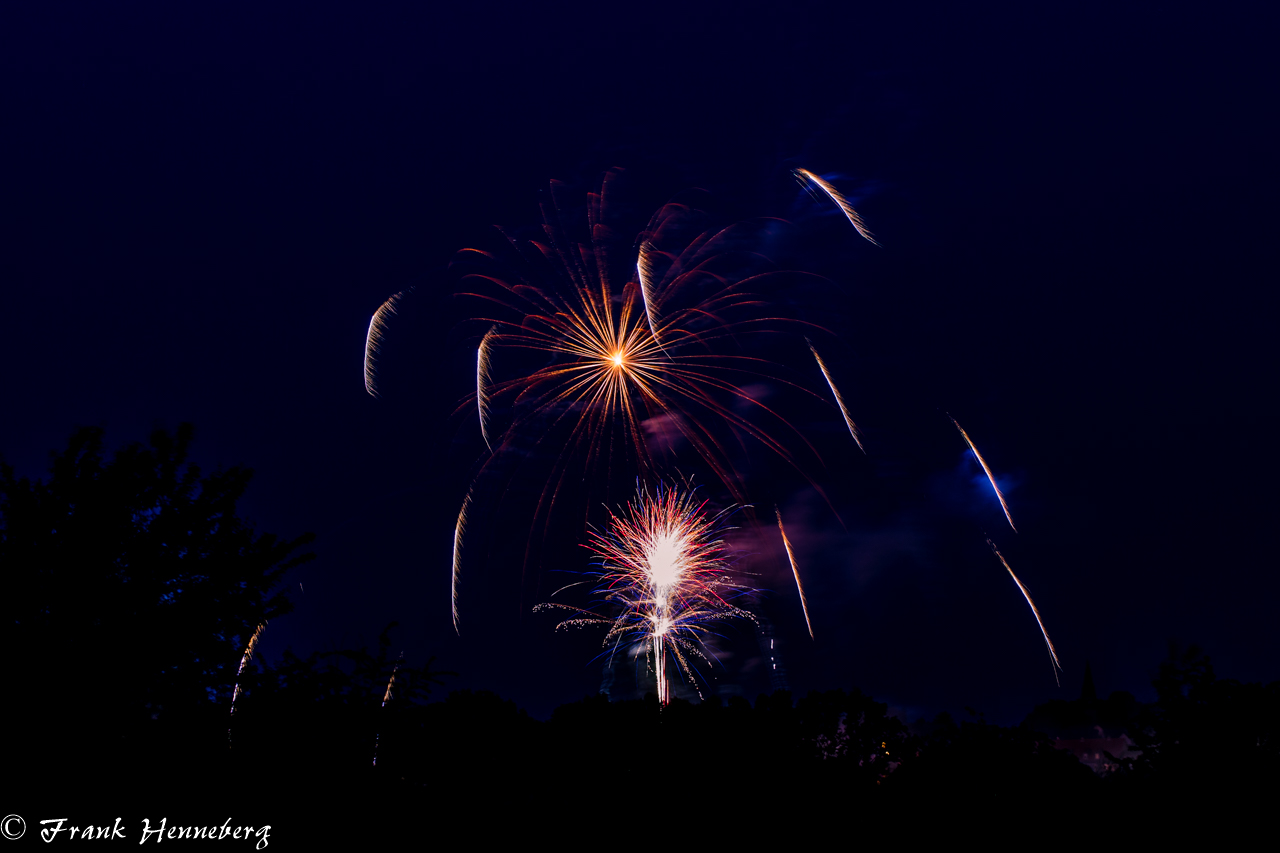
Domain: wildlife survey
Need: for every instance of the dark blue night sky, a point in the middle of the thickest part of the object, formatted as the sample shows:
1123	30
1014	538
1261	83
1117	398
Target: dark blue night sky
203	203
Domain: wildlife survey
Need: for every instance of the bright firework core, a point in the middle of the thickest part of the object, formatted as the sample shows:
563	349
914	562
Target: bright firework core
666	558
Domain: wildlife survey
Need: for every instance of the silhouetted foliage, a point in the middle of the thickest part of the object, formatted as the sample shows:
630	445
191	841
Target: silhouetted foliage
328	715
132	587
977	761
1205	734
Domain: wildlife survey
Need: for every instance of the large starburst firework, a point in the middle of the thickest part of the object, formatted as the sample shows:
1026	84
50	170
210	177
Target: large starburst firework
606	347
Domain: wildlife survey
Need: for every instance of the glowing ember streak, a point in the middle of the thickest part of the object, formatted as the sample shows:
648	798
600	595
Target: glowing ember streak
458	530
482	383
373	341
806	177
987	468
844	410
244	661
663	567
1053	654
386	697
644	272
804	602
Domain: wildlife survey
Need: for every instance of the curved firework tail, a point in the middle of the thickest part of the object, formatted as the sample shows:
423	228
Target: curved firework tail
1004	505
1053	653
373	340
815	185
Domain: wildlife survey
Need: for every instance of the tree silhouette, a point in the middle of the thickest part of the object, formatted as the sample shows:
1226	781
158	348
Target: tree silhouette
1205	734
132	587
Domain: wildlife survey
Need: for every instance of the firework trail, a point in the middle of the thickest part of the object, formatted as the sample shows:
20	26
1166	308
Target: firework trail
1053	654
663	570
644	272
804	602
458	530
244	661
482	382
386	697
808	179
844	410
373	341
992	477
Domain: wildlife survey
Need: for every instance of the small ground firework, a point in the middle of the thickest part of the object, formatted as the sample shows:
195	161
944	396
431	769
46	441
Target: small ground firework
663	573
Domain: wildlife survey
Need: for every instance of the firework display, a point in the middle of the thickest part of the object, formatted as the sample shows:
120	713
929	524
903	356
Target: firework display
663	572
588	344
597	355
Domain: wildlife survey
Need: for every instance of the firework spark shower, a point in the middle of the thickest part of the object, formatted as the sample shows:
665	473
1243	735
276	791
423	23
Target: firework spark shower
665	578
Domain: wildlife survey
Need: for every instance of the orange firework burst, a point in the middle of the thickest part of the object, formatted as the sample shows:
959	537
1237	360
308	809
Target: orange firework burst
664	574
621	342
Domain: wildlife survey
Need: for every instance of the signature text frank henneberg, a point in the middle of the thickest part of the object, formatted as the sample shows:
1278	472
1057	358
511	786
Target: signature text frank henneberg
157	833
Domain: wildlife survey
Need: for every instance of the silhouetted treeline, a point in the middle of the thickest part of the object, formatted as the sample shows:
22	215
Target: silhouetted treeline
132	588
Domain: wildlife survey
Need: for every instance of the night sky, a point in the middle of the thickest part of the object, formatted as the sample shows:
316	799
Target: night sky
203	204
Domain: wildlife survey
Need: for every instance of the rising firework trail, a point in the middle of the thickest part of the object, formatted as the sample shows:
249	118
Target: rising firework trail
844	410
795	570
1053	654
992	477
664	575
373	341
482	384
809	180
